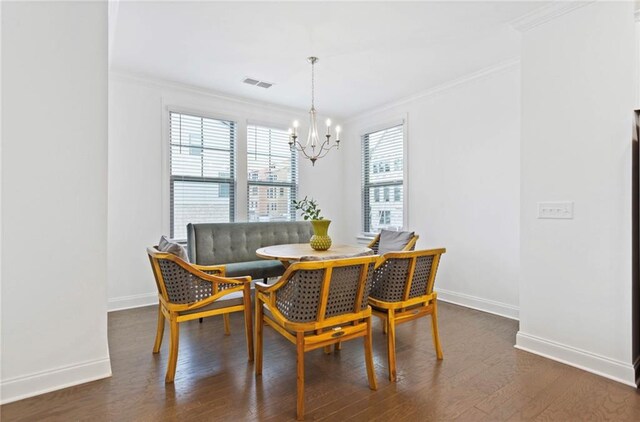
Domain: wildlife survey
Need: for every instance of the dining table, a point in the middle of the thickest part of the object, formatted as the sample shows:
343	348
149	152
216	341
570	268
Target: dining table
293	252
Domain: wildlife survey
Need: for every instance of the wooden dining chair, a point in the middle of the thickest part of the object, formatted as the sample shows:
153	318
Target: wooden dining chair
187	291
402	290
409	246
317	304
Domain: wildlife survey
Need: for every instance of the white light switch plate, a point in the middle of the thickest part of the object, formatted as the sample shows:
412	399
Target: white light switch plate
562	210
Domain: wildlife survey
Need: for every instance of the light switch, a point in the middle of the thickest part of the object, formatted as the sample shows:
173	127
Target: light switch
562	210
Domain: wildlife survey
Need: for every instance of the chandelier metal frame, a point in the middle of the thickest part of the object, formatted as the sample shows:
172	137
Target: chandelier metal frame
313	149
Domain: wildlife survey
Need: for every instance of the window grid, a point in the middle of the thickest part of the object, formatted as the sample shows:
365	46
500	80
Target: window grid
383	179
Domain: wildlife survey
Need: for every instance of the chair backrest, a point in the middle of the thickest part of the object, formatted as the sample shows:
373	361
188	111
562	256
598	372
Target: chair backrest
176	281
375	243
225	243
318	290
406	275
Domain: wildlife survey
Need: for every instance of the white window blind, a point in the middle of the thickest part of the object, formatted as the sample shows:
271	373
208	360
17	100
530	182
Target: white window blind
202	171
382	176
272	174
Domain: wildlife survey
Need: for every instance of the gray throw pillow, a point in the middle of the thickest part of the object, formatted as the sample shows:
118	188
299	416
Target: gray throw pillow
393	241
165	245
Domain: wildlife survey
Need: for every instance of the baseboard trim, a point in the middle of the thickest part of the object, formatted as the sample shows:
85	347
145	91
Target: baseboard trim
622	372
480	304
134	301
23	387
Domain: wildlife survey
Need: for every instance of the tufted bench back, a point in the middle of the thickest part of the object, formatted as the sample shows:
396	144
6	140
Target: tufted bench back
226	243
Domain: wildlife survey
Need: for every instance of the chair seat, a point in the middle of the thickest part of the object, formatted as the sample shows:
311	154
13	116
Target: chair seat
232	299
256	269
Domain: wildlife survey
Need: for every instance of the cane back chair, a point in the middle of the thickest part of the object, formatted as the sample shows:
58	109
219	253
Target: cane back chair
187	291
375	243
402	291
317	304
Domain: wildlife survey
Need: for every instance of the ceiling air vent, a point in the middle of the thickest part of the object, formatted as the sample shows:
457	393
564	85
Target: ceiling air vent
255	82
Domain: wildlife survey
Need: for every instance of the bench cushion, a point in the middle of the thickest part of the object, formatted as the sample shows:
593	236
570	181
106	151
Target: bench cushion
256	269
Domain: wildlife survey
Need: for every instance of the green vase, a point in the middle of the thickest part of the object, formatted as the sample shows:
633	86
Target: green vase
320	241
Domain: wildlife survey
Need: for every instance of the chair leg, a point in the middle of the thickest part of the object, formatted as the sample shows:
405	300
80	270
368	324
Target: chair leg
434	330
385	321
300	376
227	330
248	328
159	331
200	320
173	349
338	346
391	344
259	328
327	349
368	356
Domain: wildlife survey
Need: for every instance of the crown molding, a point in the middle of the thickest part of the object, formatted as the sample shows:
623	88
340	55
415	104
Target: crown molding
438	88
546	13
194	89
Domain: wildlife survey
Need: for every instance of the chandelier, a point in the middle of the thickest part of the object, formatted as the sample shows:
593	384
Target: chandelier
313	148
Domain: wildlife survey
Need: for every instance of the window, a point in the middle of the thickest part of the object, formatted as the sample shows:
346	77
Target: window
384	217
202	171
382	169
273	174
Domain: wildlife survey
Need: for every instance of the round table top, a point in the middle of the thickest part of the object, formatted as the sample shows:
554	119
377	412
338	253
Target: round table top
294	251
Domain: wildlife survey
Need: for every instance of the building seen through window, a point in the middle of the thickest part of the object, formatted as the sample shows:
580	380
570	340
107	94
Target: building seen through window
272	174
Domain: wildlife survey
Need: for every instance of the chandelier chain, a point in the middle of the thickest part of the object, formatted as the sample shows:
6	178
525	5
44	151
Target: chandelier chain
313	86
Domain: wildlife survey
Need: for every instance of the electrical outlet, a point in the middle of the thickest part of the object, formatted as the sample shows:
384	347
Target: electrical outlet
562	210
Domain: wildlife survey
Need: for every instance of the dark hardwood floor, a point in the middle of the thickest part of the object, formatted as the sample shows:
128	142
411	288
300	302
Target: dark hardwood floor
482	378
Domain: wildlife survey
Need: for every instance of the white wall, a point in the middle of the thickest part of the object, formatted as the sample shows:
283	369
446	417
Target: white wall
138	173
463	183
54	196
578	91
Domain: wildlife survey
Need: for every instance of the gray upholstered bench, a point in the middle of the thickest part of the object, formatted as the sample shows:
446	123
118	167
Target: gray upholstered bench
234	245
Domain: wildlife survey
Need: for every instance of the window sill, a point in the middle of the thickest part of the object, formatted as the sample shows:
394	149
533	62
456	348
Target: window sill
365	238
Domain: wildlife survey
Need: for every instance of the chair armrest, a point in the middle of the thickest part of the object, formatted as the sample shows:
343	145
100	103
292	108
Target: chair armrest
202	303
268	288
374	241
245	279
263	287
196	271
221	269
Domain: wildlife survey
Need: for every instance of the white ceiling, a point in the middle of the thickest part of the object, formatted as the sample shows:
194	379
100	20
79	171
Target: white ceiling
370	53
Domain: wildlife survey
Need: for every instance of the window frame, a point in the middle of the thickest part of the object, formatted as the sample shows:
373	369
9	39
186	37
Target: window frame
387	124
168	178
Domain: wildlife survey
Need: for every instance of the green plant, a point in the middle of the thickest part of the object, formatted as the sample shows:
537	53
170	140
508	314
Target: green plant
308	208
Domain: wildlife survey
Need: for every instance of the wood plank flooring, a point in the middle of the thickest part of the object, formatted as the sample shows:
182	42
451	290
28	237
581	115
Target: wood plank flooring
482	378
